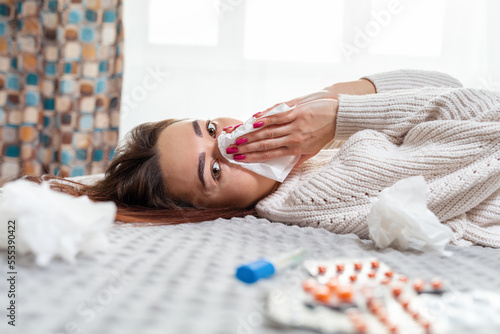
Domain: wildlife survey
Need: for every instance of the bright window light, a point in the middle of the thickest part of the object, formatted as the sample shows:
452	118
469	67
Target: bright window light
186	22
294	30
413	29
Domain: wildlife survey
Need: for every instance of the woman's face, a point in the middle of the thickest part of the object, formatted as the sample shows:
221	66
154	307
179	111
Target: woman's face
195	170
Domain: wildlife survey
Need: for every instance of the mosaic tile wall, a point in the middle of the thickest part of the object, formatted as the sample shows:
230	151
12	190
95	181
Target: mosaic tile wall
61	66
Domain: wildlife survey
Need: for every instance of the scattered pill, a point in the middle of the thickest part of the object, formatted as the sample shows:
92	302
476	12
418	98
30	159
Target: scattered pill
415	315
389	273
372	274
353	278
375	264
321	269
340	267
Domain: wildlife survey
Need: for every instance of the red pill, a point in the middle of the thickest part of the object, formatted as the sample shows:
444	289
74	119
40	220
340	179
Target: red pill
393	328
381	314
309	284
389	273
372	274
436	284
403	278
425	323
375	264
353	278
385	281
322	293
405	302
418	285
345	293
333	284
360	325
321	269
340	267
358	266
374	305
396	290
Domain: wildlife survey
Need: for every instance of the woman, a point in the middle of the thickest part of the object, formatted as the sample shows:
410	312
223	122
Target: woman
395	125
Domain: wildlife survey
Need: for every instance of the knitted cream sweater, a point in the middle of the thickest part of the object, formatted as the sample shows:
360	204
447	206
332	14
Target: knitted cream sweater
418	123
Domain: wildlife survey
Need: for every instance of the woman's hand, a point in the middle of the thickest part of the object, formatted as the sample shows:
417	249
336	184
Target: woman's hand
358	87
303	131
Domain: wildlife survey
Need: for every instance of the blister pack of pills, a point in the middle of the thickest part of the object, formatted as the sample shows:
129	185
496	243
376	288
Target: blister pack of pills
366	296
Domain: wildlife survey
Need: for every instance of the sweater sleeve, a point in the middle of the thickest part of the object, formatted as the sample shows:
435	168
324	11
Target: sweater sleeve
396	112
411	79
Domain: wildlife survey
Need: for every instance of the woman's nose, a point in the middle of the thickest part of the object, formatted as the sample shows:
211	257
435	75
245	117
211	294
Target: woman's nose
216	153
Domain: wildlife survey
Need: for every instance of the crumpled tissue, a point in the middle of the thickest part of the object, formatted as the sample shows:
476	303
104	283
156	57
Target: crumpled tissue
49	223
277	168
399	218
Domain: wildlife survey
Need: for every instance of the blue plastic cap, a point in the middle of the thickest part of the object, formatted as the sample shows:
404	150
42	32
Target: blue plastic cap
252	272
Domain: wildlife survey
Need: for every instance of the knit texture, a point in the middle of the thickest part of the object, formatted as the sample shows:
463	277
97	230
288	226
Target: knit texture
432	127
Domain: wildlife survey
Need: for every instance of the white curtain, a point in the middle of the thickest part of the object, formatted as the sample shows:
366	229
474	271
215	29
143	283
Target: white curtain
212	58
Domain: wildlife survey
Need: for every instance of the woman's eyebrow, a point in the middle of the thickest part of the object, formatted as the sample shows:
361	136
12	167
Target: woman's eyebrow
201	166
197	129
201	156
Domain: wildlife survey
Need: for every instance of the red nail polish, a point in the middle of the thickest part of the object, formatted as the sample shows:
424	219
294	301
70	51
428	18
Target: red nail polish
241	141
258	124
238	126
257	114
239	156
231	150
227	127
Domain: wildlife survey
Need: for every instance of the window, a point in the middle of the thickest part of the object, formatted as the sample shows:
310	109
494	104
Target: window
184	22
293	30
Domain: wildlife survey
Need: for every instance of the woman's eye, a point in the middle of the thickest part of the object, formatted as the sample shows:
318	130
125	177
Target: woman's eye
216	170
211	128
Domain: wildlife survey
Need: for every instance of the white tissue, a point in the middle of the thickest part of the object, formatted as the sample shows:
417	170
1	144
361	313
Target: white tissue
400	216
276	169
50	223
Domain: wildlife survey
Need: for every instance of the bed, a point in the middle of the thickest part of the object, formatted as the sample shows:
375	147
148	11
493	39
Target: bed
180	278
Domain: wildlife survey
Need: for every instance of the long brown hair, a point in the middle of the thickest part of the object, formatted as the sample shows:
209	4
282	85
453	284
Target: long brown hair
135	183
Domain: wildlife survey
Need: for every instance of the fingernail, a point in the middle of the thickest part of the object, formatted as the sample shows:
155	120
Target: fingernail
239	156
241	141
257	114
231	150
227	127
238	126
258	125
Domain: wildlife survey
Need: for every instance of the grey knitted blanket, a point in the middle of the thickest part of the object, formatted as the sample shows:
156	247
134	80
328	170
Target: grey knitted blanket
180	279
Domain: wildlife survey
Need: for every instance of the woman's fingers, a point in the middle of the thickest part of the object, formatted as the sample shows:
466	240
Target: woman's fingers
274	131
279	138
281	118
264	155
